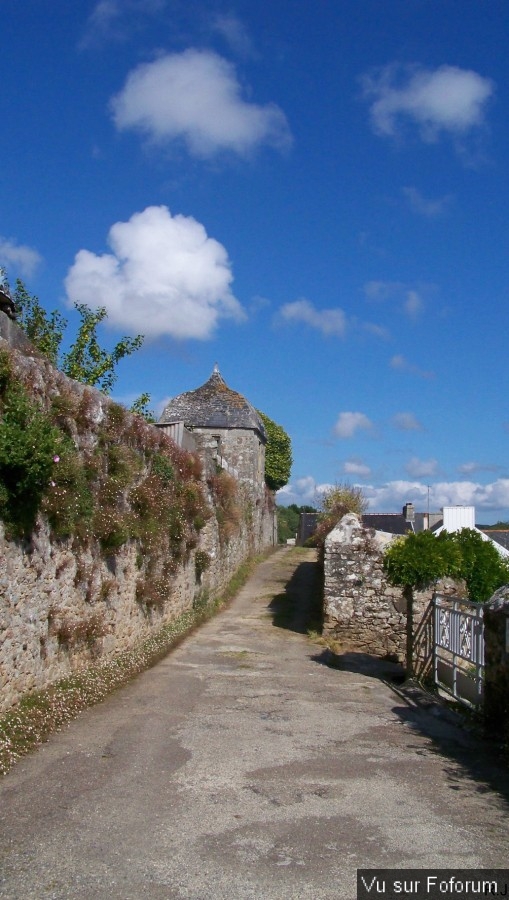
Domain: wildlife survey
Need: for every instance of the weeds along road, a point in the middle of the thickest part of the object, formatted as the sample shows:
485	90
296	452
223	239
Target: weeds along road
242	766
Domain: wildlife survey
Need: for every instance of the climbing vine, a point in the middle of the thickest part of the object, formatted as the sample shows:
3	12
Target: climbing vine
278	454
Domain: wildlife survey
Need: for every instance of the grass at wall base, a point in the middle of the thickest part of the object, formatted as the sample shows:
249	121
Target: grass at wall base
42	713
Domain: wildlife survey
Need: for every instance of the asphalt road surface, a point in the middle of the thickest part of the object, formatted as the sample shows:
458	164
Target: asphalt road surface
243	766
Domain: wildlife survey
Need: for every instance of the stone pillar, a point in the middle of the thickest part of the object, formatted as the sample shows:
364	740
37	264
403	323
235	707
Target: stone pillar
361	610
496	651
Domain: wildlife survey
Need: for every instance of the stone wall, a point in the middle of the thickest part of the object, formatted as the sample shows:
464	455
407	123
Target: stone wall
239	450
496	672
64	606
362	611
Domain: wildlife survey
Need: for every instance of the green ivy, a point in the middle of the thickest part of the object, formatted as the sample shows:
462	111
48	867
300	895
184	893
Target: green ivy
278	454
29	444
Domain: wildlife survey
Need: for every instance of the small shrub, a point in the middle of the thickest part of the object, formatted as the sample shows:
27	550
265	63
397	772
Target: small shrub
71	632
112	528
162	468
202	562
106	589
64	406
225	494
5	371
68	501
86	415
124	464
335	503
115	422
153	592
28	445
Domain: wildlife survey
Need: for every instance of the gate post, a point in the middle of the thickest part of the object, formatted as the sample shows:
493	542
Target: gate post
496	649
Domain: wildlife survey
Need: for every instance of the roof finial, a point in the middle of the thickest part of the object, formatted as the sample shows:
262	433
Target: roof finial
216	369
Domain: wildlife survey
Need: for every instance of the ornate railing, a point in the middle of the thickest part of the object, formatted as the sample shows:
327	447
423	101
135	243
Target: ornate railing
458	648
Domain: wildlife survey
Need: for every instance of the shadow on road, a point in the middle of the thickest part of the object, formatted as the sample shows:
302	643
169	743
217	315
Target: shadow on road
471	760
299	607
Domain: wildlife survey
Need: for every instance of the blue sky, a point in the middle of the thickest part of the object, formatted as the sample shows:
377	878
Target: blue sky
314	196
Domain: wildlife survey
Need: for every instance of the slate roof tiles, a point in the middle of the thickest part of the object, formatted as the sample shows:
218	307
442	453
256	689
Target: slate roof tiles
213	405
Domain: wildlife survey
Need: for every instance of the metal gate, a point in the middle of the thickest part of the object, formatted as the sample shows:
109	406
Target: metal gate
458	648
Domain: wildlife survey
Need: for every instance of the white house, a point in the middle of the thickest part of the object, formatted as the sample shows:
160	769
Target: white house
457	517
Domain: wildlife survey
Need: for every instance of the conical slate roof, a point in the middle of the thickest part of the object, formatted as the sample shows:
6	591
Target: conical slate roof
213	405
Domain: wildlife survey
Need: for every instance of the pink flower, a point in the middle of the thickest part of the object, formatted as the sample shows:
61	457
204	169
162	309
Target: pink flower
56	459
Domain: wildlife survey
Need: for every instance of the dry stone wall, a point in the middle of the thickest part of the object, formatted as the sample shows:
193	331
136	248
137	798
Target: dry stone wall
362	611
496	649
63	605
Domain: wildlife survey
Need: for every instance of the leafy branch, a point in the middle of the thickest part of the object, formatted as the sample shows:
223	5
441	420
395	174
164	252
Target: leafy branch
86	361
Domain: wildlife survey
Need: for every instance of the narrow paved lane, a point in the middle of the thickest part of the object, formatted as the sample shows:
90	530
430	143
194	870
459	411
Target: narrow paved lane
243	767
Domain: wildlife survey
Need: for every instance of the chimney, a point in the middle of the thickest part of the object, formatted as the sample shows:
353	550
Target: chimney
409	512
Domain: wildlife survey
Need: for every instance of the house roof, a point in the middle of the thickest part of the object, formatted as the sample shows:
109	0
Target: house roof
392	523
499	536
213	405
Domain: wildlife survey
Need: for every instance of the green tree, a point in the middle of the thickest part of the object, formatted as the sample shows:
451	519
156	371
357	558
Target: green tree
414	562
418	560
278	454
338	500
288	518
287	522
44	331
141	408
482	567
86	361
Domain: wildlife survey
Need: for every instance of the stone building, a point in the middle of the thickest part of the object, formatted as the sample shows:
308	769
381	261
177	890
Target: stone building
225	426
228	434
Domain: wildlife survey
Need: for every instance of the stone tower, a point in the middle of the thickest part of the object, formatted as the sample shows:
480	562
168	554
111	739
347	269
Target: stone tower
226	427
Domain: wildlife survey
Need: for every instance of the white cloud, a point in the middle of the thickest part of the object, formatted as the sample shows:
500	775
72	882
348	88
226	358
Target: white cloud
196	96
116	19
413	304
424	207
401	364
391	496
468	493
469	467
383	290
406	421
304	491
378	331
24	259
421	468
230	27
350	422
328	321
408	297
356	467
443	100
165	276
